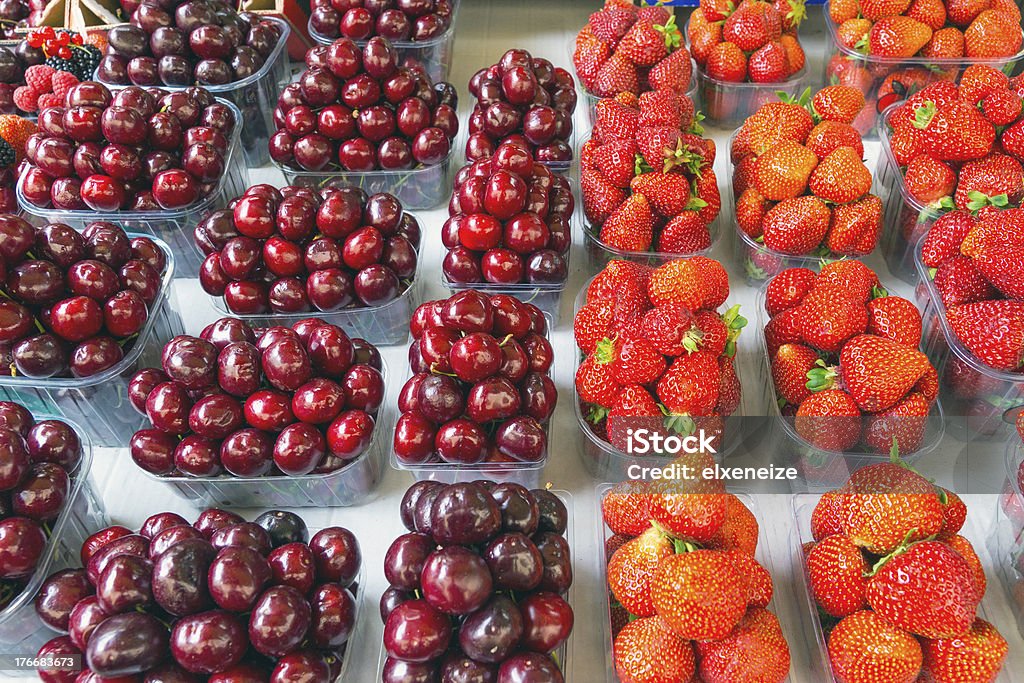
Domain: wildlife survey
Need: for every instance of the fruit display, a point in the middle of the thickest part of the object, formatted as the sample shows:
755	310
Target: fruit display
183	43
14	133
845	360
525	99
479	393
686	595
38	461
647	179
509	222
412	21
60	50
357	109
296	249
875	555
800	183
131	149
655	352
74	302
626	48
248	403
478	585
221	598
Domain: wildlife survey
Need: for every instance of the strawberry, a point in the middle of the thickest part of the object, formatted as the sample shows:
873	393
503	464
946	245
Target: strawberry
726	62
601	198
829	316
1000	227
793	13
855	227
964	548
960	282
617	121
898	37
782	329
977	655
783	170
703	40
829	420
928	179
1003	266
787	289
625	508
754	652
837	574
646	651
945	237
769	63
658	14
963	12
841	177
926	590
979	81
830	135
857	279
15	131
647	44
851	34
759	582
864	648
616	75
592	322
715	281
616	275
1012	139
752	25
932	13
612	23
751	207
796	226
631	571
687	233
843	10
588	58
903	424
954	515
694	509
992	330
634	409
672	73
616	160
690	385
706	189
709	333
794	53
946	43
826	518
595	383
739	531
695	283
668	193
992	180
631	226
665	108
895	318
716	10
789	368
878	372
667	327
1001	108
877	9
954	132
993	34
776	121
837	103
634	360
662	148
700	595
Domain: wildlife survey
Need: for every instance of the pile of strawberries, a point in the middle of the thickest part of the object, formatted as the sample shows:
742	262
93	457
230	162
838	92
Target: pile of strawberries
656	353
687	596
647	175
44	87
624	48
962	146
799	179
897	584
845	359
754	40
14	133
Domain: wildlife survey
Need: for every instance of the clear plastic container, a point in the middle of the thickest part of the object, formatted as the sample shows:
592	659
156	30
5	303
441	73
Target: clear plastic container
382	325
822	468
353	484
763	555
879	72
727	105
22	633
981	401
100	403
546	297
435	54
256	97
418	188
175	226
817	644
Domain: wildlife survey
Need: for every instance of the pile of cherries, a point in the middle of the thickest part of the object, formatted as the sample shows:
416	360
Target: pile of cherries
396	20
73	302
359	109
181	43
297	249
133	149
477	585
252	403
245	601
508	221
480	390
36	461
525	99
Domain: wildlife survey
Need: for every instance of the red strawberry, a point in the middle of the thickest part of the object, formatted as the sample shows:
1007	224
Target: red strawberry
588	58
625	508
700	595
898	37
769	63
668	193
663	150
964	548
993	34
617	75
616	121
706	189
977	655
992	330
837	573
839	103
895	318
928	180
796	226
739	531
646	651
954	132
755	651
826	518
715	281
667	327
829	316
616	160
592	323
854	277
993	180
612	23
794	53
855	227
647	44
634	409
929	12
1001	108
877	9
783	170
960	282
703	39
751	207
945	237
727	62
954	515
616	274
601	198
595	383
687	233
903	424
1003	266
782	329
946	43
665	108
829	420
696	283
1012	139
878	372
787	289
634	360
632	568
631	226
691	384
963	12
752	25
672	73
611	544
830	135
841	177
978	81
789	371
716	10
864	648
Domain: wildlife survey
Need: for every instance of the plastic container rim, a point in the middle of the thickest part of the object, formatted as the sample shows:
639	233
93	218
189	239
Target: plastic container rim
397	44
793	79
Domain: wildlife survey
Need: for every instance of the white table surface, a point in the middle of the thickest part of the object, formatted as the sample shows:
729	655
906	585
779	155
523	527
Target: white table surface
485	30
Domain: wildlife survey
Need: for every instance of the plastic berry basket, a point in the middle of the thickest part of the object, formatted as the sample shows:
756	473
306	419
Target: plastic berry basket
382	325
417	188
563	655
815	637
22	633
880	71
982	402
351	485
100	403
905	219
821	468
727	105
175	226
435	55
255	96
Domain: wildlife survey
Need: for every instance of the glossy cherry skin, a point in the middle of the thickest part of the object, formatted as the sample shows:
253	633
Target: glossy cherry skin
242	534
125	584
237	578
58	596
179	577
350	434
416	632
247	453
279	621
464	513
293	564
126	644
492	633
456	580
209	641
298	449
337	555
333	616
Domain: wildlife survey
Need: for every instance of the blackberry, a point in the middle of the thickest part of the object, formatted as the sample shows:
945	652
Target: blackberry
7	155
83	62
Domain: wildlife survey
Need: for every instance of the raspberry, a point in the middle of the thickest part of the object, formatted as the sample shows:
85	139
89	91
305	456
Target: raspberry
38	78
63	81
25	98
49	99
